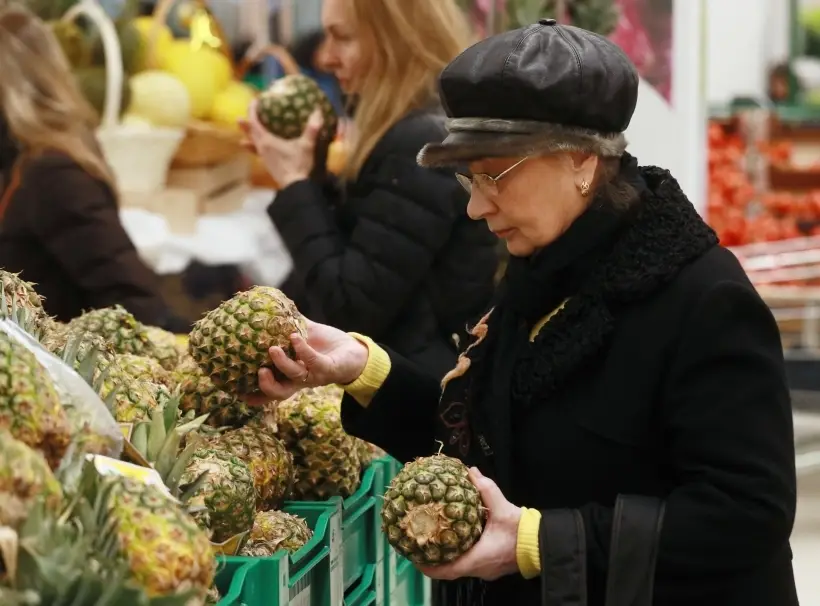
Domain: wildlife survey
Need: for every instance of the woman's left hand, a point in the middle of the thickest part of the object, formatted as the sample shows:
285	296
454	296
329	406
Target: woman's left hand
494	555
286	160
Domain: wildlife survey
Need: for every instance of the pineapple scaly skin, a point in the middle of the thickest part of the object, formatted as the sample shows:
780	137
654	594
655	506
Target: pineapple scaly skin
164	347
231	343
198	393
30	407
432	513
143	368
25	476
167	552
275	531
227	496
119	328
133	399
326	458
269	461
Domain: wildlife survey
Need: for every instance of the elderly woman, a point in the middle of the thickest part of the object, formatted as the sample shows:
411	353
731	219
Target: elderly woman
623	404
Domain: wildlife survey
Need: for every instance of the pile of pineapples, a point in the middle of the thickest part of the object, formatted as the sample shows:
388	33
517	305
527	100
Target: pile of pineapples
70	533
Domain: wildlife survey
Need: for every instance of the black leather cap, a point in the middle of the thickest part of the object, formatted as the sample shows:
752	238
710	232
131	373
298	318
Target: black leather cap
567	79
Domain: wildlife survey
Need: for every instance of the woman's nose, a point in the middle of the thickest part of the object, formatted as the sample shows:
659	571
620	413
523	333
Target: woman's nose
479	206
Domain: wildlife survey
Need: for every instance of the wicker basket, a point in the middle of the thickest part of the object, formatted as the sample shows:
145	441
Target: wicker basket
205	143
138	157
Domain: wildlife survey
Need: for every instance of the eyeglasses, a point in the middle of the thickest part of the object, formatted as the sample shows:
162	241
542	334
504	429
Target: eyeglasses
486	184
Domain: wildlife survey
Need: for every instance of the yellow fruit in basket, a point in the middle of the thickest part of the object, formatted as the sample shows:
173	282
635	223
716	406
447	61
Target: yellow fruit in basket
232	103
203	71
161	98
144	25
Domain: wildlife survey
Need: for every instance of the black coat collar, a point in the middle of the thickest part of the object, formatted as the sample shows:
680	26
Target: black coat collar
666	234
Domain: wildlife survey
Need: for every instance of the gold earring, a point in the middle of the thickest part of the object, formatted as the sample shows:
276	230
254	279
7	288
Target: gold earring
584	188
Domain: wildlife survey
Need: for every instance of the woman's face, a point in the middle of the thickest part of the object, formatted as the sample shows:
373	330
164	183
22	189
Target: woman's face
536	202
343	53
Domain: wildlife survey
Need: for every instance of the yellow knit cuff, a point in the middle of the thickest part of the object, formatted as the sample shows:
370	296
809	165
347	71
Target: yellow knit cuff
374	374
527	554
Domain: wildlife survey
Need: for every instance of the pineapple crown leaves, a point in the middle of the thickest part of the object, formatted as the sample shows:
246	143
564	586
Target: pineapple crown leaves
73	559
159	440
19	314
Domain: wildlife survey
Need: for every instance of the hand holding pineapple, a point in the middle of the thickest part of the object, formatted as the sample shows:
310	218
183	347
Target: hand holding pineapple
494	555
328	356
286	160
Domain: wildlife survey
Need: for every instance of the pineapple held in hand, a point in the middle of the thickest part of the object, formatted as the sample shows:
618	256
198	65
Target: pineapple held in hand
230	343
432	513
285	107
276	531
326	458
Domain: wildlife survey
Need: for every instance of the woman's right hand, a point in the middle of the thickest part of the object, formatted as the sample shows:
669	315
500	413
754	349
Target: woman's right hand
328	356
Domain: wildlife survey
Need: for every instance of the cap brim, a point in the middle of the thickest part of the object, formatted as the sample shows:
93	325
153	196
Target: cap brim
464	146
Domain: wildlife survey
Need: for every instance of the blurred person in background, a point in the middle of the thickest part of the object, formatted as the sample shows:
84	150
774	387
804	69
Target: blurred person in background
59	221
388	251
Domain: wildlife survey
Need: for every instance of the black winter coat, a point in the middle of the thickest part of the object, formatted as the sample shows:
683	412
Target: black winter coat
395	255
662	376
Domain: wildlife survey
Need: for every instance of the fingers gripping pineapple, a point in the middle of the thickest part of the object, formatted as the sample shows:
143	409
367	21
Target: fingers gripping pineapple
230	343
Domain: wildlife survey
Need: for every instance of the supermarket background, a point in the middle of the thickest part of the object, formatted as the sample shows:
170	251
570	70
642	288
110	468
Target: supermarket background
735	83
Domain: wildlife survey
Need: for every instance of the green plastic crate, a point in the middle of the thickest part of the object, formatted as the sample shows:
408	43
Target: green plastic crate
411	588
310	577
404	585
369	591
362	539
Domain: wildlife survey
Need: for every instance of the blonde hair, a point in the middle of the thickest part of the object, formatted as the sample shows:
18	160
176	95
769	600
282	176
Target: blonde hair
409	43
39	98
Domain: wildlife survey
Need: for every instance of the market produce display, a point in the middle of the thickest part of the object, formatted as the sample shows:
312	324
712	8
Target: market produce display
152	518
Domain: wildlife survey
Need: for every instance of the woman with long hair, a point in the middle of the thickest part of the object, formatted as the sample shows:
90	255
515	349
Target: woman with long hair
388	250
59	221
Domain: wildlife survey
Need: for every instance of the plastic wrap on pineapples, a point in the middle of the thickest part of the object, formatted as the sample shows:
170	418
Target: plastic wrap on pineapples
231	343
326	458
25	477
30	407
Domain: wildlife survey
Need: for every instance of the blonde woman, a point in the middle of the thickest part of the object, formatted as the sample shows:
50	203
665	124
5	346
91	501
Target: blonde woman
390	250
59	223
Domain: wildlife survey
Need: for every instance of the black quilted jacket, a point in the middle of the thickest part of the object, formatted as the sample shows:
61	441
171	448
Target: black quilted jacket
393	255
